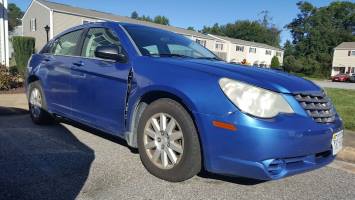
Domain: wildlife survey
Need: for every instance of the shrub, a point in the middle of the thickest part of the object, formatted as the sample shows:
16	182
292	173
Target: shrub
275	63
8	80
24	47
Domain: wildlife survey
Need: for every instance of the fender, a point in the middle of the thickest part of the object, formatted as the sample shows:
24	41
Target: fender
136	107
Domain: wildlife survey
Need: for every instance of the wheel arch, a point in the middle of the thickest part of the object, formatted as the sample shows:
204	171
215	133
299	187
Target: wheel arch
32	78
147	98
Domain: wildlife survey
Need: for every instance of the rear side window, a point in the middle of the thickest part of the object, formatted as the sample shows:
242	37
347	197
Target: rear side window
98	37
67	44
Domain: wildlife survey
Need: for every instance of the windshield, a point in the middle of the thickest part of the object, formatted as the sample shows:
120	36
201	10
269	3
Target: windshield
159	43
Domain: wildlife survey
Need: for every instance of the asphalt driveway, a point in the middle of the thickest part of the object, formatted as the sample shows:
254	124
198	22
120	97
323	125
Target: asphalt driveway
339	85
63	161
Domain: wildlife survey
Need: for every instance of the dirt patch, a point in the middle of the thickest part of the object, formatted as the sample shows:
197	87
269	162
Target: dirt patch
13	91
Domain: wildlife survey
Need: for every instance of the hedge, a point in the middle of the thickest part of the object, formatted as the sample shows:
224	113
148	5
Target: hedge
24	47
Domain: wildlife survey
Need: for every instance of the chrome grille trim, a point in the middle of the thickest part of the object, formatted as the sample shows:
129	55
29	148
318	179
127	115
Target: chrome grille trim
317	106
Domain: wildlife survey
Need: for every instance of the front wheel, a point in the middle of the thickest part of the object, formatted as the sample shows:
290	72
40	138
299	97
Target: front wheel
37	105
168	142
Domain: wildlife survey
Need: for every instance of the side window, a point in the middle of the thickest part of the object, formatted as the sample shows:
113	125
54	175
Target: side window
98	37
66	45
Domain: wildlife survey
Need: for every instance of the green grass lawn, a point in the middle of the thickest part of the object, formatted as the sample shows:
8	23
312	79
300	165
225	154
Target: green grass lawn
344	101
310	77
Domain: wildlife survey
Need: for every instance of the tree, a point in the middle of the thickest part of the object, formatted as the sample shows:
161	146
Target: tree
191	28
161	20
134	15
289	49
275	63
158	19
14	14
262	30
315	32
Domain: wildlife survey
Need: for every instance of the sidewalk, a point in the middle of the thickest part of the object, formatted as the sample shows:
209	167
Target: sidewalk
9	103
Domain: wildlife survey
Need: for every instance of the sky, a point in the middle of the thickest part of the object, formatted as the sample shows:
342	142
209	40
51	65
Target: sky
197	13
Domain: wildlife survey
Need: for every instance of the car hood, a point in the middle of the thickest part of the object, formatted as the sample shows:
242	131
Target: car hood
274	80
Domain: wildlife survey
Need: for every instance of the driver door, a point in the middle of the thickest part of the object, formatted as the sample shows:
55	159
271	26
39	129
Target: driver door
101	84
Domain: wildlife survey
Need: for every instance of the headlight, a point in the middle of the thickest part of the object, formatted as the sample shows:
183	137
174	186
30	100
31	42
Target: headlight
254	100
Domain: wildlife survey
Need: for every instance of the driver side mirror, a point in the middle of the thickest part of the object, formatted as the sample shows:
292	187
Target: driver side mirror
111	52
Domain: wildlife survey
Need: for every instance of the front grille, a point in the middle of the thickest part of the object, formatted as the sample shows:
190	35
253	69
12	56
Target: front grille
318	106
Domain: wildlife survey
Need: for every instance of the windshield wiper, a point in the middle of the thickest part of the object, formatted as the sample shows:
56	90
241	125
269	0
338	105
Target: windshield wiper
209	58
170	55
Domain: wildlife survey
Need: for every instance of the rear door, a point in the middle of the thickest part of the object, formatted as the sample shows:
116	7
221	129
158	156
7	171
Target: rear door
59	90
101	84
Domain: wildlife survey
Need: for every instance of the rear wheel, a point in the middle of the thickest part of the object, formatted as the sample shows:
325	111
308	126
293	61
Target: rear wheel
168	142
37	105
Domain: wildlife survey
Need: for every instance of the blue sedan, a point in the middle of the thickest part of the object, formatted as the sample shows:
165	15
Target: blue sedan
180	105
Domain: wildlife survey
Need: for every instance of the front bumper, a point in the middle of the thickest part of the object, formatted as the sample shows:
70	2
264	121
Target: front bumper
266	149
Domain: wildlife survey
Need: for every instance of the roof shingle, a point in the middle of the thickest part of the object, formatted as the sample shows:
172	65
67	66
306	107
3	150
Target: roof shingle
109	16
346	45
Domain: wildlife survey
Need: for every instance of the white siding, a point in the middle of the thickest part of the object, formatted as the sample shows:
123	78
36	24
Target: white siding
342	61
41	14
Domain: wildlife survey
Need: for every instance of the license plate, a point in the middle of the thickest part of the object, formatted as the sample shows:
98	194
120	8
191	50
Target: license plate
337	142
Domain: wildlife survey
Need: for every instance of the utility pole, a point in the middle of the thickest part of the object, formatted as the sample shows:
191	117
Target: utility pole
4	34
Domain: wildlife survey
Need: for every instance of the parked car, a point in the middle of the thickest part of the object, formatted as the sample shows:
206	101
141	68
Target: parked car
341	78
182	107
352	78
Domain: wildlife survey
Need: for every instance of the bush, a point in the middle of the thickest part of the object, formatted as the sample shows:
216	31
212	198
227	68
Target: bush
8	80
275	63
24	47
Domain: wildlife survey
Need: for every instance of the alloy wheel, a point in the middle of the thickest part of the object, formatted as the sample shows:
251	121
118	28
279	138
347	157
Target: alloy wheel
163	141
35	102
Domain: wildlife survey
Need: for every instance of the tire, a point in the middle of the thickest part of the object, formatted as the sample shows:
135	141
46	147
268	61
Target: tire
187	158
37	105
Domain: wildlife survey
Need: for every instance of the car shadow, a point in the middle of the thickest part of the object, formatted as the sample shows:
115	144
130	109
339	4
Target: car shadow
49	162
99	133
40	162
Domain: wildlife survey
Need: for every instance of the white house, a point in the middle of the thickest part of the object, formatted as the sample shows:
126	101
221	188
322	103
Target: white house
4	34
253	53
344	59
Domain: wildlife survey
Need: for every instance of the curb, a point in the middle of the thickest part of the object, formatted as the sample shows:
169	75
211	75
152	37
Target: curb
347	155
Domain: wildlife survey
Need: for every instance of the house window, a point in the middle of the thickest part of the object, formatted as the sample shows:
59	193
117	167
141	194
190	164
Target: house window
268	52
201	42
252	50
239	48
33	25
351	53
219	46
278	54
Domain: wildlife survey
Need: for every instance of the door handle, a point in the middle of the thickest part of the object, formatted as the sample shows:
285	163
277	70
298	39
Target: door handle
78	64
